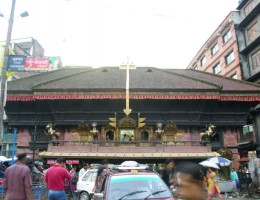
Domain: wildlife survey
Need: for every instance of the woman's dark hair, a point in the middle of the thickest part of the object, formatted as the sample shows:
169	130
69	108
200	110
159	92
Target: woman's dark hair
213	169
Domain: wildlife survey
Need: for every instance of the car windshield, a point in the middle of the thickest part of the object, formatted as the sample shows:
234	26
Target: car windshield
137	187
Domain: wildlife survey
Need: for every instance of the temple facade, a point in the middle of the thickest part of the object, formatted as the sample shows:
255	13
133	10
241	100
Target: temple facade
148	114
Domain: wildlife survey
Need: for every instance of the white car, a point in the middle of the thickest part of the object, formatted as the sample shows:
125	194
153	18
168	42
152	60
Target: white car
86	184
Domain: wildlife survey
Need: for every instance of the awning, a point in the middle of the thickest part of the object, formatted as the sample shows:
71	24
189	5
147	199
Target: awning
157	155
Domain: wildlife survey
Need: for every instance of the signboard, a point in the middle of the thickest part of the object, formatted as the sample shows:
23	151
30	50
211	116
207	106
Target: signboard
36	64
27	64
51	162
72	162
69	162
15	63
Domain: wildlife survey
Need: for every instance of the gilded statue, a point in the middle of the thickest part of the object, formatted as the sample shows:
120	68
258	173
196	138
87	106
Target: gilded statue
207	133
52	132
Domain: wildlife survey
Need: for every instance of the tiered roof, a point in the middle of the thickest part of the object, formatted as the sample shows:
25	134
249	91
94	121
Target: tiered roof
145	83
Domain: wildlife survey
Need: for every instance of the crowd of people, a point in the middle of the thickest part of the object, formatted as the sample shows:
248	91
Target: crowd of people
60	179
191	181
188	180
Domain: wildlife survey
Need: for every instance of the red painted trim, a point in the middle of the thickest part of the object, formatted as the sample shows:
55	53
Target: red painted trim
132	96
239	98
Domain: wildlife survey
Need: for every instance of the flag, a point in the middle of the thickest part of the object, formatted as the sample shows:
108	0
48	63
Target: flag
2	58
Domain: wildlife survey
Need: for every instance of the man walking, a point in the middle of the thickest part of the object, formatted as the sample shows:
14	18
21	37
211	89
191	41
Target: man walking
84	169
18	180
55	179
167	173
190	181
104	165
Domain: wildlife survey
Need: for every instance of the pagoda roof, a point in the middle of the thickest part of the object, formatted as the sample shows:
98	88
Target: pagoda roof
79	83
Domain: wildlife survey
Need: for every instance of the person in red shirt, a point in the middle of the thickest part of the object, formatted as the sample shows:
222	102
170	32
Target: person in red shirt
55	179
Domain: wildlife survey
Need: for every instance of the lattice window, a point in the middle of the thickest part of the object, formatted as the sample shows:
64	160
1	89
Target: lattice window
256	59
252	32
250	6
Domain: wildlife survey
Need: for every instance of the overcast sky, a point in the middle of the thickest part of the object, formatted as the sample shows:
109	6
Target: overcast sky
159	33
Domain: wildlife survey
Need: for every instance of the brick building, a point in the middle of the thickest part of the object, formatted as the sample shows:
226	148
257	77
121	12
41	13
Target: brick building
219	54
174	105
233	50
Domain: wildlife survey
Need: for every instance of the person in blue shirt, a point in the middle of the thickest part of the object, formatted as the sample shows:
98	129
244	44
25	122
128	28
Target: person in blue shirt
234	177
125	138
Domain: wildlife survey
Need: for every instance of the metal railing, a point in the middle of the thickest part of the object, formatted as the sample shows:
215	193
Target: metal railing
105	143
39	192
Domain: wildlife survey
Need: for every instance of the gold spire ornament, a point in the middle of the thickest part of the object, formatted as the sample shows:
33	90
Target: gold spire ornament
127	67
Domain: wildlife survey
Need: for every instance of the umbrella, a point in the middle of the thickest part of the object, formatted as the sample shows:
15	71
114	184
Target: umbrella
220	161
207	163
129	163
3	158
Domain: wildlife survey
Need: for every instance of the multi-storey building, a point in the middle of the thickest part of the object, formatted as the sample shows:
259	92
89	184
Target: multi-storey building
248	34
233	50
219	54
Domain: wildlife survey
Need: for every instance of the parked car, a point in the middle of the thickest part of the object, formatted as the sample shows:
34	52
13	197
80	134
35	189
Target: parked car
131	182
86	184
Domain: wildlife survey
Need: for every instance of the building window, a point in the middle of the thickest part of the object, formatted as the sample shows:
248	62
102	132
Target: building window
214	49
252	32
256	59
216	69
230	57
227	36
234	76
7	150
203	61
247	133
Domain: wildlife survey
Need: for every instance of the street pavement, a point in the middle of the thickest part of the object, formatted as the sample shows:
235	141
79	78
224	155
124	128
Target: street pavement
238	196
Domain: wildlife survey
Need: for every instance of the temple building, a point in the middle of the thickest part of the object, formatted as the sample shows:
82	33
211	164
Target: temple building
141	113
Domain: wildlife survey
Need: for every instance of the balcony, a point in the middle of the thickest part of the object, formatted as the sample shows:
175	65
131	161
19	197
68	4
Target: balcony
133	149
252	45
251	15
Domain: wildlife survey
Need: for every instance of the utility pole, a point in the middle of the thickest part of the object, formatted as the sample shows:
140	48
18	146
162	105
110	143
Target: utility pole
3	74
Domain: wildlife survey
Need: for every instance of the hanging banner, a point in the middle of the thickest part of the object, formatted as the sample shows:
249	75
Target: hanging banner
51	162
37	64
68	162
15	63
72	162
